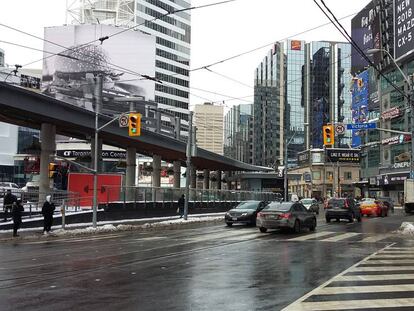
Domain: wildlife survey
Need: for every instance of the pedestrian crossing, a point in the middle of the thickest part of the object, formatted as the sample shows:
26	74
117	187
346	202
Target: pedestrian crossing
382	281
331	236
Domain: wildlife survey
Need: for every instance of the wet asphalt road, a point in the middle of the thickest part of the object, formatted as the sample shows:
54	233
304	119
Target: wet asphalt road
206	267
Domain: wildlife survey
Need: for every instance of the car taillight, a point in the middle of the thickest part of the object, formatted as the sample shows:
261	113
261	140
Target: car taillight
286	215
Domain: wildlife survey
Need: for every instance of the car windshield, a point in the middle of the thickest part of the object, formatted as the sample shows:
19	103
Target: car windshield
307	201
336	202
248	205
279	206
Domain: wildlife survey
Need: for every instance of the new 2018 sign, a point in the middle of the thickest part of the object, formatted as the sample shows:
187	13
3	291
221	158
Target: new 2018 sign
403	28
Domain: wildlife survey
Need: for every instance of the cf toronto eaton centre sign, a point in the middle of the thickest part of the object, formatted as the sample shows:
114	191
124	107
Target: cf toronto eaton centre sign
403	28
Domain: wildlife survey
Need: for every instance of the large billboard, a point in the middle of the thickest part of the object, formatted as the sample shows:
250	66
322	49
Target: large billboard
403	28
119	59
360	100
365	31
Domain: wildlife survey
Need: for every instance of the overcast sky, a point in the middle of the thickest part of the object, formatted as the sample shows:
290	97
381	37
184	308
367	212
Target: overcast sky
218	32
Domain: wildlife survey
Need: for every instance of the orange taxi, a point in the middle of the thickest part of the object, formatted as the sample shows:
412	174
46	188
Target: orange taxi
372	207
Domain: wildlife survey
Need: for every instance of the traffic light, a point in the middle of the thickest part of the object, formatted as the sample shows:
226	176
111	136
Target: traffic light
52	169
134	124
328	135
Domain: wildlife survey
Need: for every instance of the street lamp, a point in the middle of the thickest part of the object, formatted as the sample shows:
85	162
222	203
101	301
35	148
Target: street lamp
410	105
285	177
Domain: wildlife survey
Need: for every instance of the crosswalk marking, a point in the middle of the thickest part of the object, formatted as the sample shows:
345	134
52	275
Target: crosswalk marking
365	289
358	288
375	238
390	268
312	236
375	277
244	237
341	237
355	304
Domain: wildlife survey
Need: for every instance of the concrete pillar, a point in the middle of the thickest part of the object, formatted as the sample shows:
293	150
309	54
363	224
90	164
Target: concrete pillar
48	148
130	177
177	174
206	181
228	180
156	171
193	177
100	159
219	180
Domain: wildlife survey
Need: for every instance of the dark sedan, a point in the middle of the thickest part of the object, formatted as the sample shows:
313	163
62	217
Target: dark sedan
244	213
286	215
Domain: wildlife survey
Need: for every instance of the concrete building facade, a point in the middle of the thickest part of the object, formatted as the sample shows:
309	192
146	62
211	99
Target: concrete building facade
209	122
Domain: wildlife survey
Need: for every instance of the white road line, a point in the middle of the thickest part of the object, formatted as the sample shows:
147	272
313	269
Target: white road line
355	304
389	262
399	256
223	235
311	236
375	277
379	268
400	248
375	238
366	289
341	237
299	304
398	252
151	238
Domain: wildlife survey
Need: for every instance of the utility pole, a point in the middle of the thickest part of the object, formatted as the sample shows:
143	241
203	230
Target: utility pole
188	154
98	104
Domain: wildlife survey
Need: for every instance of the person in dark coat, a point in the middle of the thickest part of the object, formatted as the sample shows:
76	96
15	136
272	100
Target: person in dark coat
181	202
8	201
47	212
17	211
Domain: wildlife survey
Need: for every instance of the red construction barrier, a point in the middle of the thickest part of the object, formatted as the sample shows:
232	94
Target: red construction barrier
82	183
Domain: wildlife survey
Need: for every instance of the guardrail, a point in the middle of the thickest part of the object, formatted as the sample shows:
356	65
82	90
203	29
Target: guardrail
147	195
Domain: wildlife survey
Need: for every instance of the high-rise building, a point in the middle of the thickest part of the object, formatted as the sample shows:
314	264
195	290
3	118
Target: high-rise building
209	122
326	95
173	36
268	108
299	87
238	133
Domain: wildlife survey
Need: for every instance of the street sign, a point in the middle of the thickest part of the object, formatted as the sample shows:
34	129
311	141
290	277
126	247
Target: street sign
361	126
123	121
339	128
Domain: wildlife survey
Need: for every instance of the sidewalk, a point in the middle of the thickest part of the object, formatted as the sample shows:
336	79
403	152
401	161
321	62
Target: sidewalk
84	229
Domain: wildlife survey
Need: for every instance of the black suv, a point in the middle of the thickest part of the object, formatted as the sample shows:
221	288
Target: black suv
341	208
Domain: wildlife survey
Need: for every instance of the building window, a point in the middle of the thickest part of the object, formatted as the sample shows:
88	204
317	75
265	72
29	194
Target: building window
316	175
329	176
348	175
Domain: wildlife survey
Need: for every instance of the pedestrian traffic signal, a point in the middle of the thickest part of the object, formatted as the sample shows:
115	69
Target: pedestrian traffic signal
134	124
328	135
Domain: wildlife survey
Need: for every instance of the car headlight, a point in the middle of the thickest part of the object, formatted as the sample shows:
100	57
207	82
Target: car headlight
227	214
245	214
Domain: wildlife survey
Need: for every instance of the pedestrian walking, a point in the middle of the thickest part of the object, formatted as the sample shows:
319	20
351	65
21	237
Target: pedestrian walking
47	212
8	201
17	211
181	202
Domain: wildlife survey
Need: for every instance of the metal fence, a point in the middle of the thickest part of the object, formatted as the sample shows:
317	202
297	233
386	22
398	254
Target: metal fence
171	195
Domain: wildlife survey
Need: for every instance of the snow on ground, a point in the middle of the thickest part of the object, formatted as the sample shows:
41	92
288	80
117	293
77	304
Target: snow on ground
406	228
121	226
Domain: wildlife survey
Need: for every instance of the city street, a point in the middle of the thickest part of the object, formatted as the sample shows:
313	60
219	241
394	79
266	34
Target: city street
212	267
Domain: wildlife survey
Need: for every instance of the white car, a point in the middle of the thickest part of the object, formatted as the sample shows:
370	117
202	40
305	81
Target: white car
4	186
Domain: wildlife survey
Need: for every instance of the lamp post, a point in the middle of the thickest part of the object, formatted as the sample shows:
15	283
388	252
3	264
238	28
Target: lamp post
410	104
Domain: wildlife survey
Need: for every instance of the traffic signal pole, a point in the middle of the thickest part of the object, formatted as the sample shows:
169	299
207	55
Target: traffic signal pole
98	104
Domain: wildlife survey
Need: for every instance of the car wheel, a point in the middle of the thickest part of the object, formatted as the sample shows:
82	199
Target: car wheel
253	222
263	229
229	224
328	219
297	227
312	227
337	219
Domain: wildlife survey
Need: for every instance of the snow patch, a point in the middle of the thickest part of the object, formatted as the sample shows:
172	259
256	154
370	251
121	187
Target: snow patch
406	228
109	228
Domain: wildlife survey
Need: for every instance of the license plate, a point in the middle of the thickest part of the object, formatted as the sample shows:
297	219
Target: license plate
234	218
